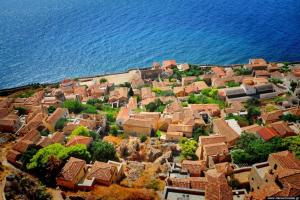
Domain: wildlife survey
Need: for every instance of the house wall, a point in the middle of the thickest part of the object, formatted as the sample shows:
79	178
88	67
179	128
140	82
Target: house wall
136	131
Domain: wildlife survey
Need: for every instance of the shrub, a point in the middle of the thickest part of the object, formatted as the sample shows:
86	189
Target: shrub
21	111
60	124
102	151
80	130
188	149
51	109
143	138
103	80
73	106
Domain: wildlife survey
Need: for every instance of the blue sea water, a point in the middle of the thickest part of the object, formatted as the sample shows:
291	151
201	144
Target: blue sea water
48	40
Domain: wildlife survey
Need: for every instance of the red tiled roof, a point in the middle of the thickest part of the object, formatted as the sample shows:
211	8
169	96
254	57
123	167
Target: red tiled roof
267	133
225	130
286	160
218	71
102	171
282	128
22	145
79	140
217	187
12	156
214	149
72	169
193	166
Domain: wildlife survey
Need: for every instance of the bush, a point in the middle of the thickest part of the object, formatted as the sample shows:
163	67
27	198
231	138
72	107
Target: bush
143	138
199	132
102	151
21	111
158	134
60	124
114	130
80	130
73	106
293	144
157	106
51	109
251	149
188	149
103	80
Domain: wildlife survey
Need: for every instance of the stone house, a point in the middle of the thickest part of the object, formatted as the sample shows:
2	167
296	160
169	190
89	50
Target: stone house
72	173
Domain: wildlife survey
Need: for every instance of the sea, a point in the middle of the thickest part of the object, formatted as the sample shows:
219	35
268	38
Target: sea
49	40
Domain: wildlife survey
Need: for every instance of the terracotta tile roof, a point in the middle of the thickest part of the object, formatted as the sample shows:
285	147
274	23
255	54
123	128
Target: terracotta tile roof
12	156
56	115
180	182
146	93
211	139
282	128
180	128
139	122
218	71
252	128
267	133
123	114
217	187
194	167
224	168
267	190
169	63
173	107
71	169
190	182
58	137
44	141
102	171
179	89
132	103
22	145
286	160
212	109
214	149
79	140
257	61
225	130
32	135
262	73
272	116
296	71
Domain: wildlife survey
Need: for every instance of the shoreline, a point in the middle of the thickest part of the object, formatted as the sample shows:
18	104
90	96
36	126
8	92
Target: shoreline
7	91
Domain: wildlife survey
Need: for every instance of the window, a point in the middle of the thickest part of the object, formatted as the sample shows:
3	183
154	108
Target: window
266	180
252	179
275	166
258	187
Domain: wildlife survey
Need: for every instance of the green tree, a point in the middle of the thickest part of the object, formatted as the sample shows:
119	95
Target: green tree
188	149
41	158
27	155
21	111
103	80
293	85
200	131
156	106
80	130
293	144
60	124
102	151
51	109
73	106
290	117
143	138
